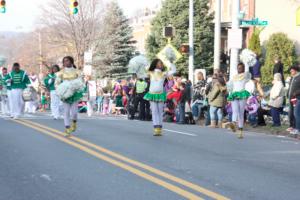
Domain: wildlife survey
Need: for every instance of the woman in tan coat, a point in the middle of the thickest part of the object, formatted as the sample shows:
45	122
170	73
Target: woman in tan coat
217	100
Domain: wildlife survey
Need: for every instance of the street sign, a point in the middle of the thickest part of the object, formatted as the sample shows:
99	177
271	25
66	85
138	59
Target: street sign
254	22
298	17
87	70
88	57
235	38
168	55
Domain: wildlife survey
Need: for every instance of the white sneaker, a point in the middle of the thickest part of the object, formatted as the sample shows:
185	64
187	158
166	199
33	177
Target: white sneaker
294	132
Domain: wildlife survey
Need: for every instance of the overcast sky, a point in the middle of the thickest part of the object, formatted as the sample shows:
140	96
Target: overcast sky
21	14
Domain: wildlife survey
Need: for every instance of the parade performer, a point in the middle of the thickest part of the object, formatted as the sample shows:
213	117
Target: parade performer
49	82
70	86
238	96
32	104
18	81
4	93
156	94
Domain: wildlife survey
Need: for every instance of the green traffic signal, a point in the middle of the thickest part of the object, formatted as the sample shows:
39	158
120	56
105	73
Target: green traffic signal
2	10
75	11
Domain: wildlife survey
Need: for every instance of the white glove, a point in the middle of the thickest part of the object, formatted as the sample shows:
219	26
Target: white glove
50	81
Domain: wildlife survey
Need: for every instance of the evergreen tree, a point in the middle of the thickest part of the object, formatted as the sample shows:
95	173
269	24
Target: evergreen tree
278	45
254	42
115	46
176	13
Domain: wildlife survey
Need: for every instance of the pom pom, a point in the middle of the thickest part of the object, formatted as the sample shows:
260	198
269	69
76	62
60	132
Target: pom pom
67	89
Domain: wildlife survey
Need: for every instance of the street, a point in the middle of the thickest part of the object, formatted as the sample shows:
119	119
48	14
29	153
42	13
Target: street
113	158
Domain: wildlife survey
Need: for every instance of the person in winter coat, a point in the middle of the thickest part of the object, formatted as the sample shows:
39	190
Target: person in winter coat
276	99
252	108
294	86
278	68
216	100
198	96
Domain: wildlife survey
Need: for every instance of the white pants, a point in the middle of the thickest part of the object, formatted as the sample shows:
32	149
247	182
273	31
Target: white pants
4	105
17	103
157	113
70	113
9	101
30	106
90	108
238	111
55	104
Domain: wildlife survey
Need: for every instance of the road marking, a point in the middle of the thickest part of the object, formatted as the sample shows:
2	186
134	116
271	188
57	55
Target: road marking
139	164
179	132
117	163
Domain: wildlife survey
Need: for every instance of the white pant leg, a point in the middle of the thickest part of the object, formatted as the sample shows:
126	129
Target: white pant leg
1	109
235	110
9	101
6	105
74	111
155	113
67	109
17	102
161	112
55	104
26	108
242	104
90	108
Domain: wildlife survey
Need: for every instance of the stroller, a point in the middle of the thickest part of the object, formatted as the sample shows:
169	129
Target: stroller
169	114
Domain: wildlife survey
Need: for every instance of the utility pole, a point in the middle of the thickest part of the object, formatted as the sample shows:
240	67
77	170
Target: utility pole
235	28
191	41
217	43
40	52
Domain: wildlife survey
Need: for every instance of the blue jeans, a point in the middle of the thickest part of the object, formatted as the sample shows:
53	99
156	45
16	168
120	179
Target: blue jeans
216	114
207	116
252	119
275	112
196	110
181	112
297	114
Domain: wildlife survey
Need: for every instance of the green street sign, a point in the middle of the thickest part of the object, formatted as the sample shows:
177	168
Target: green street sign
298	17
254	22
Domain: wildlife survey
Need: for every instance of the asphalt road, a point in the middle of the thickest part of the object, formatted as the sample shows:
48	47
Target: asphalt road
112	158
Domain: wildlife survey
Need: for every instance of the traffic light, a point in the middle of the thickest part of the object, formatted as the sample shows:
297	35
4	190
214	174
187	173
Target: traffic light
2	6
184	48
74	7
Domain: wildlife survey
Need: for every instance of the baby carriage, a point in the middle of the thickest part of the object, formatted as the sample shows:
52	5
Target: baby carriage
169	114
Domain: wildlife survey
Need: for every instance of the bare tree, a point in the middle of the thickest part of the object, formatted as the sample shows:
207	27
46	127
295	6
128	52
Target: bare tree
77	33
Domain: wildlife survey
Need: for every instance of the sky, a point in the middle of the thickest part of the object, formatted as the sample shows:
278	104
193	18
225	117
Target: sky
21	14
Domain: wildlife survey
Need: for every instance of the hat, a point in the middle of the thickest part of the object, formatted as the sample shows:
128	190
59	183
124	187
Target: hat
294	67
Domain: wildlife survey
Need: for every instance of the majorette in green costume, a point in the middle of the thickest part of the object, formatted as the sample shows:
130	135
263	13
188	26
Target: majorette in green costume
236	87
69	85
156	91
49	81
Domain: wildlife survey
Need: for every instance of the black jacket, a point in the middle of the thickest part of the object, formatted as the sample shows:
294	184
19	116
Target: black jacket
294	90
278	68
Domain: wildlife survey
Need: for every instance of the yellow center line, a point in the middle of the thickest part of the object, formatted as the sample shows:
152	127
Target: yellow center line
139	164
126	167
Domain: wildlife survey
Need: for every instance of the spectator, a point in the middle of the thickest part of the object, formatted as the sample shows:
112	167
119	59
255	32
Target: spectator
216	99
294	98
276	99
198	96
278	68
252	108
140	91
256	75
169	83
182	102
